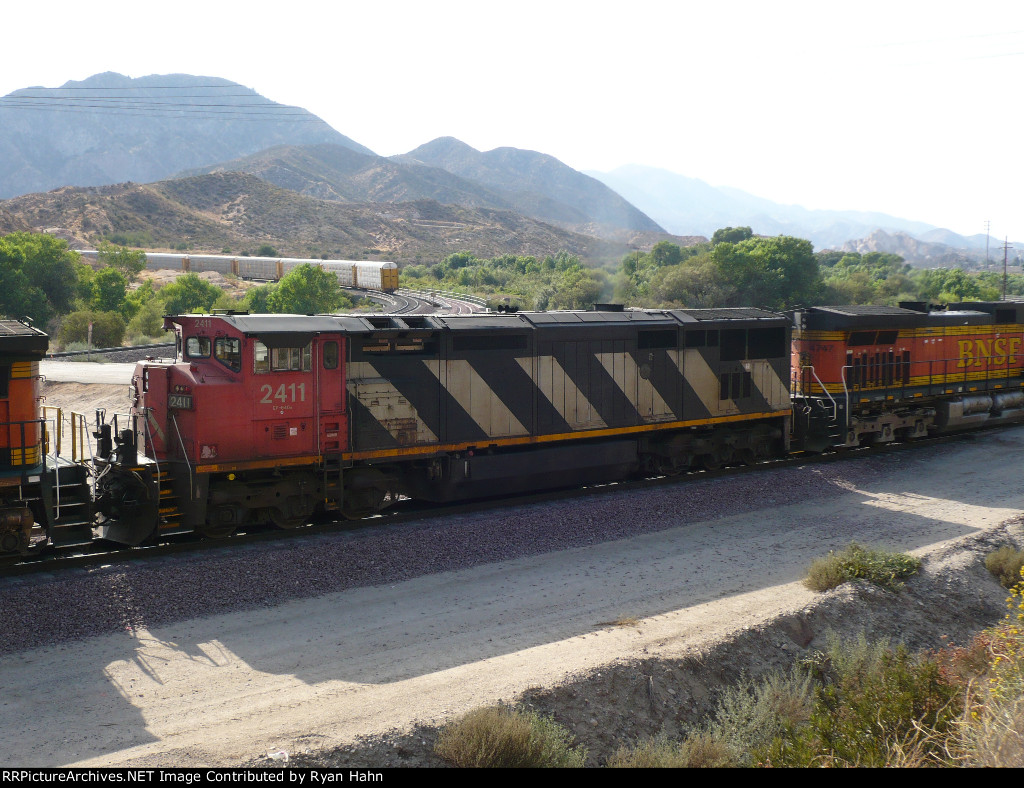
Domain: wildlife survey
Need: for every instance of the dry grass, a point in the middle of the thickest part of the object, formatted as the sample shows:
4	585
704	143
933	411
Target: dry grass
994	736
700	751
497	737
621	622
1005	564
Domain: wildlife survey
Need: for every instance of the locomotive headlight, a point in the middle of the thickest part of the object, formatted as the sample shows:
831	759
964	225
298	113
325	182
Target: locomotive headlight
231	477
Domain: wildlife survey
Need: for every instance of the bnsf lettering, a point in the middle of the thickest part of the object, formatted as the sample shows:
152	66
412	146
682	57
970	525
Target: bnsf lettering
284	393
997	351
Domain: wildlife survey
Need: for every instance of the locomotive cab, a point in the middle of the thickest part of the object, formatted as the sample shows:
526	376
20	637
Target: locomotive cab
230	430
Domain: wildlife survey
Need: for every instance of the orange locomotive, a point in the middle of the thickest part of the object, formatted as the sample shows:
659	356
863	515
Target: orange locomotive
37	490
865	374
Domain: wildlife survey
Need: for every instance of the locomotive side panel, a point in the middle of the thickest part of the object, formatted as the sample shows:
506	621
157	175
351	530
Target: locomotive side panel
735	367
394	398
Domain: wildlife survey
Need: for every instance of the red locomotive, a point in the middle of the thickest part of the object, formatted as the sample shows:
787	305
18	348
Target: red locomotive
276	418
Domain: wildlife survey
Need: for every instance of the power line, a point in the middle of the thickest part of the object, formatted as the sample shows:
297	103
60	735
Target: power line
247	108
240	112
231	86
129	97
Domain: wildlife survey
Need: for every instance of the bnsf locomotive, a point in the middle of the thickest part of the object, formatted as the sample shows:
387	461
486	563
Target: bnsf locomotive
37	488
282	418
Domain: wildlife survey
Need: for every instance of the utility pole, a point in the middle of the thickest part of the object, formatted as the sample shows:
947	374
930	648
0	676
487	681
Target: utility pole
987	225
1006	251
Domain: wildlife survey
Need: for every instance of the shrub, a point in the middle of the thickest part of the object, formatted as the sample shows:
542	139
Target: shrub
1005	563
876	705
856	562
701	750
748	718
506	738
751	715
148	321
107	331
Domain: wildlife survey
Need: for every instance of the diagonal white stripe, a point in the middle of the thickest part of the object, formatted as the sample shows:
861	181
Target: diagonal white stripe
562	393
470	390
640	392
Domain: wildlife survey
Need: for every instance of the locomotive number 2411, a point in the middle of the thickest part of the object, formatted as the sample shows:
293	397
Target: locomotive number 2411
285	393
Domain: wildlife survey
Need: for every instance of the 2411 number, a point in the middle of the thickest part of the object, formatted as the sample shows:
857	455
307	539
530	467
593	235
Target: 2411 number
285	393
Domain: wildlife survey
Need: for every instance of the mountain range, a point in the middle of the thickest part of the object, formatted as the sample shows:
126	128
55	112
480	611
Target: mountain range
677	202
110	129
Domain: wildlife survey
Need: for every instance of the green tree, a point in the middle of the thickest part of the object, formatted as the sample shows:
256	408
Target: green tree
666	253
40	279
188	293
266	250
696	284
256	300
306	289
773	273
19	299
129	262
732	235
107	329
109	289
148	320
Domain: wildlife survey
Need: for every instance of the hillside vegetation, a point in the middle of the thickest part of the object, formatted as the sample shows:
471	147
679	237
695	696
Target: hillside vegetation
734	269
235	212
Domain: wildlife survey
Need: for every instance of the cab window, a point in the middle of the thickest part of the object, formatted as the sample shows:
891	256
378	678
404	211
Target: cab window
330	352
197	347
228	351
282	359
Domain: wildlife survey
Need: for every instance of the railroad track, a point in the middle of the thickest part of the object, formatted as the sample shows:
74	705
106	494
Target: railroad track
97	554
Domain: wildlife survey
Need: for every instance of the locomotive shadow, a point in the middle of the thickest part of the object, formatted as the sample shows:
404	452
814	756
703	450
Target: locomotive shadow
82	715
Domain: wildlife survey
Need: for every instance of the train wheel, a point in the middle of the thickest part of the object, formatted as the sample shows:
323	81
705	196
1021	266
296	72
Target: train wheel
220	523
712	462
366	490
287	523
368	501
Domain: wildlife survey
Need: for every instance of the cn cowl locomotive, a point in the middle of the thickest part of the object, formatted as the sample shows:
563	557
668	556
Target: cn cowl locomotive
282	418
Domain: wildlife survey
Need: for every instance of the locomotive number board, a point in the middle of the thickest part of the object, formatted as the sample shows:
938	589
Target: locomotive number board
180	401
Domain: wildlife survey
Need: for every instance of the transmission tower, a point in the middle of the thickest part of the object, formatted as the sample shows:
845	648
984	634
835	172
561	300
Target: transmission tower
1006	250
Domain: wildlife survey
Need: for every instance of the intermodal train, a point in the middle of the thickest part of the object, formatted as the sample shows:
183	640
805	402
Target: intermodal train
365	274
279	419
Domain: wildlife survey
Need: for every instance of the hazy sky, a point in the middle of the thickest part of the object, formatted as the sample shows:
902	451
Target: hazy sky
910	108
